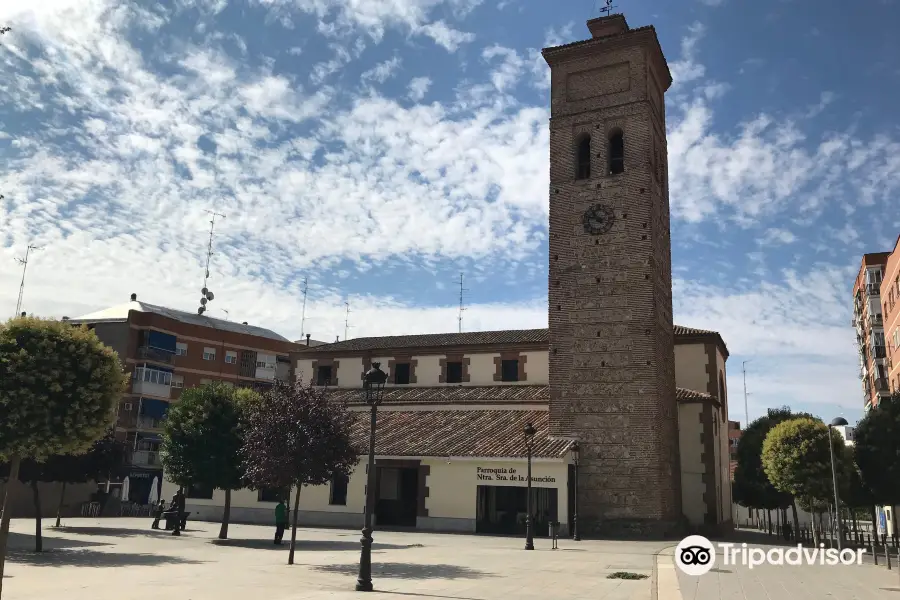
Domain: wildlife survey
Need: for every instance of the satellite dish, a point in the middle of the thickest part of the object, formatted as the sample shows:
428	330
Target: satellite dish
203	291
201	310
210	295
203	301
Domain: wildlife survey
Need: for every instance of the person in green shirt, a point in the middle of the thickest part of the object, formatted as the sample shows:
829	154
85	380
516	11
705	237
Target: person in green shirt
281	521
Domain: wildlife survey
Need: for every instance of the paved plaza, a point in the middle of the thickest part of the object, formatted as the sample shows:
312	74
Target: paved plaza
776	582
94	559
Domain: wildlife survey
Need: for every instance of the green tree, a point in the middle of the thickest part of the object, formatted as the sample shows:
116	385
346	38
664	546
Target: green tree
202	439
797	459
295	436
877	448
752	487
59	386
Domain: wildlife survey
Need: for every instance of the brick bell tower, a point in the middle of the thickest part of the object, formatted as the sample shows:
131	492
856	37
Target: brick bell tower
612	363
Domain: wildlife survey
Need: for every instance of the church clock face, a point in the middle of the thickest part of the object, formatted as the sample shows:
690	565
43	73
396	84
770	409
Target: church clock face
598	219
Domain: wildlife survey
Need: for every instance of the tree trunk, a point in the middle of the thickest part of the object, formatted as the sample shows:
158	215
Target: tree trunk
36	497
796	517
294	527
62	496
874	520
14	463
226	515
769	521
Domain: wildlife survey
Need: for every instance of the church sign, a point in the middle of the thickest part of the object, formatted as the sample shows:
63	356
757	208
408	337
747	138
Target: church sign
509	475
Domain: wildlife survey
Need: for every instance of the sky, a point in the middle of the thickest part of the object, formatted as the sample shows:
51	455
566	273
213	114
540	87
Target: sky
377	149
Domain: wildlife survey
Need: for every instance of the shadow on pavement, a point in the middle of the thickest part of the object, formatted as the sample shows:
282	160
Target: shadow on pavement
307	545
407	571
25	543
66	557
116	531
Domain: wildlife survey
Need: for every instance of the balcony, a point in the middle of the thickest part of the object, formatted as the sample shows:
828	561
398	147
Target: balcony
146	458
145	422
879	351
155	355
151	382
881	385
873	289
876	320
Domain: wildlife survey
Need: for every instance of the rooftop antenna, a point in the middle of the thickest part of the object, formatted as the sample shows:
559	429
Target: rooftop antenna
24	263
462	307
606	9
746	409
207	295
303	313
227	314
346	319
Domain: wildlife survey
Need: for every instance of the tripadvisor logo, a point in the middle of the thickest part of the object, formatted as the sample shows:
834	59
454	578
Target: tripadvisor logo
695	555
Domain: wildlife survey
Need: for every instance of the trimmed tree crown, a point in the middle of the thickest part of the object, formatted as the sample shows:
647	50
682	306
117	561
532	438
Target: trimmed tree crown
59	386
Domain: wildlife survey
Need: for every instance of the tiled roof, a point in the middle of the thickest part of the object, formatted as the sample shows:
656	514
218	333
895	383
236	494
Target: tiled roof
686	394
460	433
120	313
489	394
473	338
679	330
592	40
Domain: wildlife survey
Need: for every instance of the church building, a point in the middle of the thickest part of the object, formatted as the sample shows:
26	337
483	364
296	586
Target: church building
644	399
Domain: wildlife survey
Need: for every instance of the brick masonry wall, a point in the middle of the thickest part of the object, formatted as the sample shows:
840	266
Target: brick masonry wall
610	295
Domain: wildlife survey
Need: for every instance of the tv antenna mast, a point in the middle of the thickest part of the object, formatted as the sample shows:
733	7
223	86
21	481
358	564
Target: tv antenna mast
207	295
462	307
303	313
347	319
24	263
746	409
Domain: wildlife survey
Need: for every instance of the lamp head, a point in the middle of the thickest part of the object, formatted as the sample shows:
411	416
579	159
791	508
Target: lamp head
373	384
839	422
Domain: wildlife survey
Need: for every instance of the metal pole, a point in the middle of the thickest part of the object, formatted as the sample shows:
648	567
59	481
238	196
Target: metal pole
364	580
529	538
576	537
837	501
746	406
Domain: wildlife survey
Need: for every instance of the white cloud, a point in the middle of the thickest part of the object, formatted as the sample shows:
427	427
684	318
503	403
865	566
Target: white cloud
776	236
383	70
418	87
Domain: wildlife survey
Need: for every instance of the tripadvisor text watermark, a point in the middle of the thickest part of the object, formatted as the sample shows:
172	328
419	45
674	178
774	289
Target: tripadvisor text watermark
696	555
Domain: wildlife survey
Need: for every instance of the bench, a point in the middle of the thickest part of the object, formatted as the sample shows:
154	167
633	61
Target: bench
170	517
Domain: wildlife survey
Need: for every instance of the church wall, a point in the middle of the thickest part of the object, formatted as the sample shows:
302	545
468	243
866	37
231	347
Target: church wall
690	442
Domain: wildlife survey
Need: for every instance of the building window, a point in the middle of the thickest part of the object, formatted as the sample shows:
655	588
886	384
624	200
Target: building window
231	357
209	354
616	152
177	381
181	349
339	490
401	374
583	158
271	495
454	372
509	370
323	376
199	491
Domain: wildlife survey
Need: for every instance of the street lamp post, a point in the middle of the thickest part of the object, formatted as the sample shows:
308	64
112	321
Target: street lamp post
529	534
838	422
373	385
576	456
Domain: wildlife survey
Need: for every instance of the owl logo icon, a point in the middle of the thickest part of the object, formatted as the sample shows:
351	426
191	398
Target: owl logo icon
695	555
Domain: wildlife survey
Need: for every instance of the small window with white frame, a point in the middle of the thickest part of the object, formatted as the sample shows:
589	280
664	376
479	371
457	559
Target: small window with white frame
181	349
177	381
209	354
231	357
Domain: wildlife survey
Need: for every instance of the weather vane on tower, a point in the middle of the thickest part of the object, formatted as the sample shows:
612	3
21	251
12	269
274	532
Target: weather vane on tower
608	8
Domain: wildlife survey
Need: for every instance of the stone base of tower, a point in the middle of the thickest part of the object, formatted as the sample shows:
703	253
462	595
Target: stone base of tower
653	529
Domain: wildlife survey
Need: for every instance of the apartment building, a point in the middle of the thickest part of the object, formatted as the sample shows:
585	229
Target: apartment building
450	448
890	311
868	319
166	351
